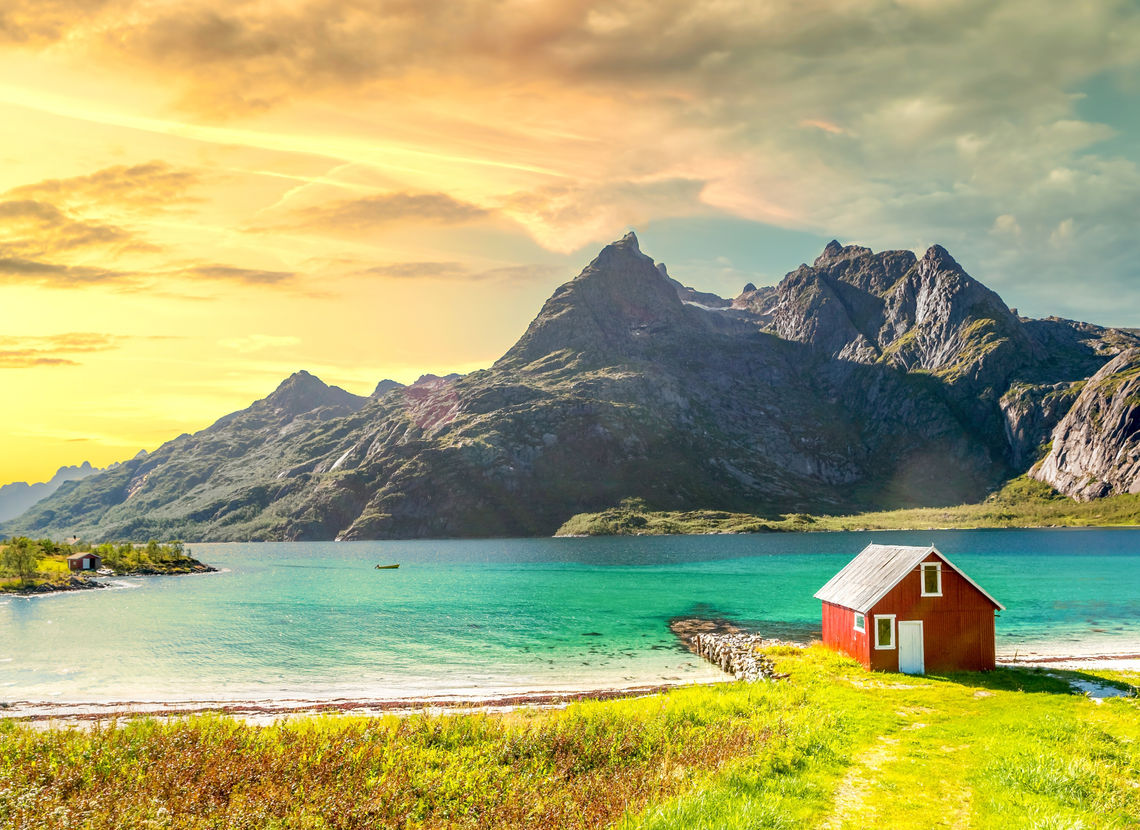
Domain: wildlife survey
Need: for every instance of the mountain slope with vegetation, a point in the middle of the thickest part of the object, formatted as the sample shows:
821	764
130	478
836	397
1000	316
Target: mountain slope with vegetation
865	381
17	497
1022	502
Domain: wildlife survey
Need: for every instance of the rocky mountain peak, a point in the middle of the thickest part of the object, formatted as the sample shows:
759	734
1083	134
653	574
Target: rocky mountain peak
614	302
384	387
938	257
304	392
628	241
428	379
834	252
616	256
748	286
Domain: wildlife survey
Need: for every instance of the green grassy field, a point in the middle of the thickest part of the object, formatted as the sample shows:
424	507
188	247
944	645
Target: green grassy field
833	746
1023	502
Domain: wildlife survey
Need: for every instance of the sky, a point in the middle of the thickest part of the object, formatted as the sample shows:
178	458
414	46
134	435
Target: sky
200	197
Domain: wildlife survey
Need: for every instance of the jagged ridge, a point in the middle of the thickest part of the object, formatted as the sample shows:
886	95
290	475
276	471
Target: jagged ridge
865	380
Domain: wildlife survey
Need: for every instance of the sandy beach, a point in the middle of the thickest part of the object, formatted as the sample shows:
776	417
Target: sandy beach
268	709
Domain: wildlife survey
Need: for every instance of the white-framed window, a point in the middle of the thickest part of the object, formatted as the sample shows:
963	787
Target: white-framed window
860	622
884	632
931	579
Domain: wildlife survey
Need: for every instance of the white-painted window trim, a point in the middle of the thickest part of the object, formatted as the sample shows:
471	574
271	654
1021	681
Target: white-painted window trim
860	618
922	578
891	645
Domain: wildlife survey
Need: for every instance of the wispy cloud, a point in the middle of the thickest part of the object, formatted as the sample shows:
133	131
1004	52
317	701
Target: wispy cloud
52	350
51	230
230	273
457	271
355	216
14	270
33	22
31	227
150	185
896	122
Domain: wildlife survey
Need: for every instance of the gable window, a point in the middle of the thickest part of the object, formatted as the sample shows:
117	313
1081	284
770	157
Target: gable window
860	622
932	579
884	631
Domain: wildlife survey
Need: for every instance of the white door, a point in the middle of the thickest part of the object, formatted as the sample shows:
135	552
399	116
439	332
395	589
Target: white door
911	660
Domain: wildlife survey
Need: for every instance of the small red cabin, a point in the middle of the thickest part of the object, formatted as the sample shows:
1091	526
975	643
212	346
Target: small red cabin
85	562
909	609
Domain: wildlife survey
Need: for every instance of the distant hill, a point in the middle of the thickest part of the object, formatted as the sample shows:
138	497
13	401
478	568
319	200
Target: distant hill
18	496
862	381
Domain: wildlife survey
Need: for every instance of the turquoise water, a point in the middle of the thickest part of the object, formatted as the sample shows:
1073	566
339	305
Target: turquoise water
317	621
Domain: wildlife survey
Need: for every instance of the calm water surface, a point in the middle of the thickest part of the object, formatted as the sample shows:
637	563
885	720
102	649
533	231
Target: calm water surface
316	620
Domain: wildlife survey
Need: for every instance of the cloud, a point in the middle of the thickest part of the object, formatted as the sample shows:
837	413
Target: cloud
898	122
352	217
52	350
46	225
16	270
150	185
457	271
419	270
230	273
30	22
29	227
56	275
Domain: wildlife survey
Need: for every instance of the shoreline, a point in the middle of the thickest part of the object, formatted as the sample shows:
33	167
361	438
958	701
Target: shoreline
89	583
869	529
268	709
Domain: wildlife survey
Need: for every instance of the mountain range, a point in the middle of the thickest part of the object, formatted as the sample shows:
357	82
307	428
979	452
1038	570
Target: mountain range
18	496
862	381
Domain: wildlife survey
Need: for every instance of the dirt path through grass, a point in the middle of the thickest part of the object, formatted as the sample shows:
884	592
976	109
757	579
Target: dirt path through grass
968	757
917	775
851	797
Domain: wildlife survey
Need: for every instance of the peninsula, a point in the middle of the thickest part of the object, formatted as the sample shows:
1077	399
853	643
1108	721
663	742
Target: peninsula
1022	502
41	566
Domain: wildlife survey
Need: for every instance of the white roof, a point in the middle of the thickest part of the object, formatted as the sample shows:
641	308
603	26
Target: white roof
868	577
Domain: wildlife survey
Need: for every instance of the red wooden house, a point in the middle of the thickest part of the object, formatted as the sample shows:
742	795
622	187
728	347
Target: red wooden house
909	609
85	561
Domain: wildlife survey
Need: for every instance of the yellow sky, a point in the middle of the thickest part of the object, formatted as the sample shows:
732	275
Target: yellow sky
198	197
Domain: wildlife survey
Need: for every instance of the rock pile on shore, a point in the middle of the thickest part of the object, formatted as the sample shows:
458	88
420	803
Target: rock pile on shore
729	647
72	583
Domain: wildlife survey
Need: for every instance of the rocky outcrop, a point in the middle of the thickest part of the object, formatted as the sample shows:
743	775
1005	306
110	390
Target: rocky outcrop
729	647
685	294
1096	447
759	303
71	583
1032	412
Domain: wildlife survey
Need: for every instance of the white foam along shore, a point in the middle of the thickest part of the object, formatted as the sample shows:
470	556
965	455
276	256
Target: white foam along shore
1129	661
1108	653
268	709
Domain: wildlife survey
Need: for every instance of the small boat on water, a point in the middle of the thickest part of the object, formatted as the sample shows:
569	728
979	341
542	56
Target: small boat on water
386	567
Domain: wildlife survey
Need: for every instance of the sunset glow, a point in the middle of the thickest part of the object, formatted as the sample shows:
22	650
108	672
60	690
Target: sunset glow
198	198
